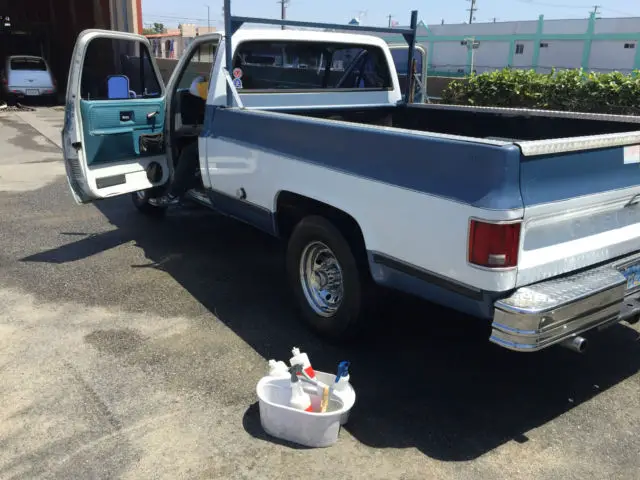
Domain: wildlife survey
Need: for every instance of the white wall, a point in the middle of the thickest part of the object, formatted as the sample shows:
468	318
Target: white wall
498	28
605	55
561	54
552	27
525	60
611	55
449	56
491	56
617	25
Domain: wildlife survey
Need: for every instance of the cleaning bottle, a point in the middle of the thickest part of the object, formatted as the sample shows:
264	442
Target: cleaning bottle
303	360
342	376
278	369
299	398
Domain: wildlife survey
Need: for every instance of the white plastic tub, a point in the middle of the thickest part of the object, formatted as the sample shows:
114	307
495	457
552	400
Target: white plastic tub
348	395
305	428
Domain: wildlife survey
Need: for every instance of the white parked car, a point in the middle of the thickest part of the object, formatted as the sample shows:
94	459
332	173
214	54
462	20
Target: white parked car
27	76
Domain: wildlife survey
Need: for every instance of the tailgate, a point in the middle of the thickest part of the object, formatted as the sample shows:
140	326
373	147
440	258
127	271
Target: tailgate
581	208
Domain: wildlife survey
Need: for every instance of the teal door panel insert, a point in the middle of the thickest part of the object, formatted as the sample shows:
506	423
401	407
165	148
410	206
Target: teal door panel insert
112	128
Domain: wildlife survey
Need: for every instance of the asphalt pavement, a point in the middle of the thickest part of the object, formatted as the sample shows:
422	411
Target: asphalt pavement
130	348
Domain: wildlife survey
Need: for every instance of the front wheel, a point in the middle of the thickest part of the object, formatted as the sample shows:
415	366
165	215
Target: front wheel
140	200
330	285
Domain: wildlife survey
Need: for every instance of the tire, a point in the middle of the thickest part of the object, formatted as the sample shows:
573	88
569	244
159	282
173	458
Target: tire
317	237
140	200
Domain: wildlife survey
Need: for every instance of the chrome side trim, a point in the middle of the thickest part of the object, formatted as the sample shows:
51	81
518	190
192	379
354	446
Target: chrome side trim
573	144
540	315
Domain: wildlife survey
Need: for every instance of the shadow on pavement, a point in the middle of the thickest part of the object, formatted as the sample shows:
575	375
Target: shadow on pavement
426	378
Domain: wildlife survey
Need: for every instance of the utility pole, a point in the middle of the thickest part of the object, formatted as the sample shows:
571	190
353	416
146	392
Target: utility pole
389	17
472	10
208	19
283	10
472	44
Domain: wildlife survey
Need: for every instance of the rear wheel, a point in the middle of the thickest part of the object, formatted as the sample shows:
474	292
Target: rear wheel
141	202
330	281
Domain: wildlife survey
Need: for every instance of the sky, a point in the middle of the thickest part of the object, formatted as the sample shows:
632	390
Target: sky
376	12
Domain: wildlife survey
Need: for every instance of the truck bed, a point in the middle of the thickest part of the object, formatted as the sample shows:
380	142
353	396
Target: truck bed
488	123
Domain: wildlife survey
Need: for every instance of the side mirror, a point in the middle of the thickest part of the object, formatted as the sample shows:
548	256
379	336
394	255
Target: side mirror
118	87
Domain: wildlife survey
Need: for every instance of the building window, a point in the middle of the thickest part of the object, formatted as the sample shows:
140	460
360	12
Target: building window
519	49
629	45
544	45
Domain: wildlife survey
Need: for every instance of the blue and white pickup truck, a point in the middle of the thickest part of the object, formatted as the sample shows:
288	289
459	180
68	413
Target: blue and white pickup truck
528	219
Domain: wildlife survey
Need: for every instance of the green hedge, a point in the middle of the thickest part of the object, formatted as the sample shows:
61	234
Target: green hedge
571	90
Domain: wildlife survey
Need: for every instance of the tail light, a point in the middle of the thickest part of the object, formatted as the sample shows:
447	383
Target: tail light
493	245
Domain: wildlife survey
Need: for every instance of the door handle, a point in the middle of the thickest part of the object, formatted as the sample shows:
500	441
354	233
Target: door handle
150	115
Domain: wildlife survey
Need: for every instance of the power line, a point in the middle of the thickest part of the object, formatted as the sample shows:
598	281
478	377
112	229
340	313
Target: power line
472	10
621	12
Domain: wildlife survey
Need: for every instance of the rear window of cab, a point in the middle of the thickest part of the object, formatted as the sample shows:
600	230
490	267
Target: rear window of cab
309	66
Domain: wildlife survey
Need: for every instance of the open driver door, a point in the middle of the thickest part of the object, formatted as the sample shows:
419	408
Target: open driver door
113	134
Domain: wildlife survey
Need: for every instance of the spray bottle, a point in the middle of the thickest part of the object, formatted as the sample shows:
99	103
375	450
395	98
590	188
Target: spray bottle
342	376
278	369
302	359
299	398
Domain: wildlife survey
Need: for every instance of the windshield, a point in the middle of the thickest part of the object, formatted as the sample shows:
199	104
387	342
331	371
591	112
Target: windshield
28	64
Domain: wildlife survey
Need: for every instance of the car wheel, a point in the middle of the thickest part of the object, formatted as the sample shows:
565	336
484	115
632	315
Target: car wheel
331	286
141	202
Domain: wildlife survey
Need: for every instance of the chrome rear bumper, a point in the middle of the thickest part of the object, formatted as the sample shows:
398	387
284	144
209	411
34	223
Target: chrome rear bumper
543	314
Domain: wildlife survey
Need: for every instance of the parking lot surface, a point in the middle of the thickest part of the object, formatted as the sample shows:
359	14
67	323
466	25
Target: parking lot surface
130	348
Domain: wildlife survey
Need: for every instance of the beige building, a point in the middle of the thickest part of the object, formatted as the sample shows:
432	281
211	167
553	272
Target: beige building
174	41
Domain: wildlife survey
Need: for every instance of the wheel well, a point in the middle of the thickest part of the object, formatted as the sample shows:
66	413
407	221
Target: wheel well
292	207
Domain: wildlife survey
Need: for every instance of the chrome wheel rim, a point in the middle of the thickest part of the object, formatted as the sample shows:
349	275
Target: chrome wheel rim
321	279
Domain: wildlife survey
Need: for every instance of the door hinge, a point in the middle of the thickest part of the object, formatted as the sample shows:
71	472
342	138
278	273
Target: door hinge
77	145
